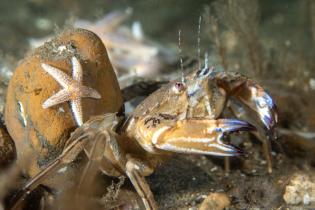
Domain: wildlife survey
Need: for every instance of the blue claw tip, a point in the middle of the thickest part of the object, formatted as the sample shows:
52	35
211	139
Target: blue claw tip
236	150
268	111
233	125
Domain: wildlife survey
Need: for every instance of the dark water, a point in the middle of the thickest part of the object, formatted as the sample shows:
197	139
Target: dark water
161	20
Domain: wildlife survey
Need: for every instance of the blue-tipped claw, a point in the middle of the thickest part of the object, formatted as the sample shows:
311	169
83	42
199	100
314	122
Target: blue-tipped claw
233	125
221	149
227	126
235	151
267	111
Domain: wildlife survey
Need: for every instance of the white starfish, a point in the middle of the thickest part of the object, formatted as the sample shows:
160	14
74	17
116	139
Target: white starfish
72	91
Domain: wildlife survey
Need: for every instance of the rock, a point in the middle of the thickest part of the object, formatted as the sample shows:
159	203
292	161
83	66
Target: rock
215	201
301	190
44	131
7	148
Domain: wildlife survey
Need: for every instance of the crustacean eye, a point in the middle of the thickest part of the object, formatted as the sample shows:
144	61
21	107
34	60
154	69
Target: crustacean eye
178	87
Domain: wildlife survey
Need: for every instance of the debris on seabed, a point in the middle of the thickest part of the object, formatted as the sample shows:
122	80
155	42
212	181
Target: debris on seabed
301	190
215	201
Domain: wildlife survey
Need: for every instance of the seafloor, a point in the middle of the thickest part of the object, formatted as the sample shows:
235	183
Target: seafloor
272	42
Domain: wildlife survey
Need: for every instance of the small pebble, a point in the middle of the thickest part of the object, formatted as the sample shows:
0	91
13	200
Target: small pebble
300	190
263	162
215	201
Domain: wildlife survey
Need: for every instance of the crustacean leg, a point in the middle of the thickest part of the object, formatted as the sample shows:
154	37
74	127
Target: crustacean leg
240	113
95	154
257	100
200	136
103	141
136	171
67	156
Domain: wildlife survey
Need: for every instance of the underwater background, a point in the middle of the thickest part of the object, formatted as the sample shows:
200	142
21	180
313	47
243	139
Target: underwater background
272	42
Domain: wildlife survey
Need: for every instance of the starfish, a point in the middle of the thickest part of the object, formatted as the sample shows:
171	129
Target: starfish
72	91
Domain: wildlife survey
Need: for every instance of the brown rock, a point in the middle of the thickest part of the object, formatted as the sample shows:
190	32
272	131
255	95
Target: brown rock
7	148
215	201
45	131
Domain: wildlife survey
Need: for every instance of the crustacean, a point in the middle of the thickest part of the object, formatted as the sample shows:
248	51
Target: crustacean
182	117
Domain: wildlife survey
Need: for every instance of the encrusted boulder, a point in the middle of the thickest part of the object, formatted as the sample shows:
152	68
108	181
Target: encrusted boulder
41	131
7	148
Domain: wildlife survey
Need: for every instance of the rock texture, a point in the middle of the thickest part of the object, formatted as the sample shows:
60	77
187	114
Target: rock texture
7	148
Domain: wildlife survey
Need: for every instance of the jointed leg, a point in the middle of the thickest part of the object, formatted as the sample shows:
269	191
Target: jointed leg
105	142
67	156
227	165
133	168
95	155
238	111
136	171
266	149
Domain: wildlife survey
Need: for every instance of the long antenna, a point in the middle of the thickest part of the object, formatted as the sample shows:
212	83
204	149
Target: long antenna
198	42
206	60
180	55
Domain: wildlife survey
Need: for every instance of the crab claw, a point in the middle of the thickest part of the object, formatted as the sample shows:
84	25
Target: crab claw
262	103
251	94
266	109
227	126
200	136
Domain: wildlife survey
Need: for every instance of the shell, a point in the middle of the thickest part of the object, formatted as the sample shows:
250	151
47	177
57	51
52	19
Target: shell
46	130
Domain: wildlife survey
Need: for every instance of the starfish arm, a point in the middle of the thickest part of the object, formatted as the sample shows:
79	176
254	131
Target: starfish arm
76	108
88	92
76	69
57	98
62	78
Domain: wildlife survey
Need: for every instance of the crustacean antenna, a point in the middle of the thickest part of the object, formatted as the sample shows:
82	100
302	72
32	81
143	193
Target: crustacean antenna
180	56
198	42
206	60
211	69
